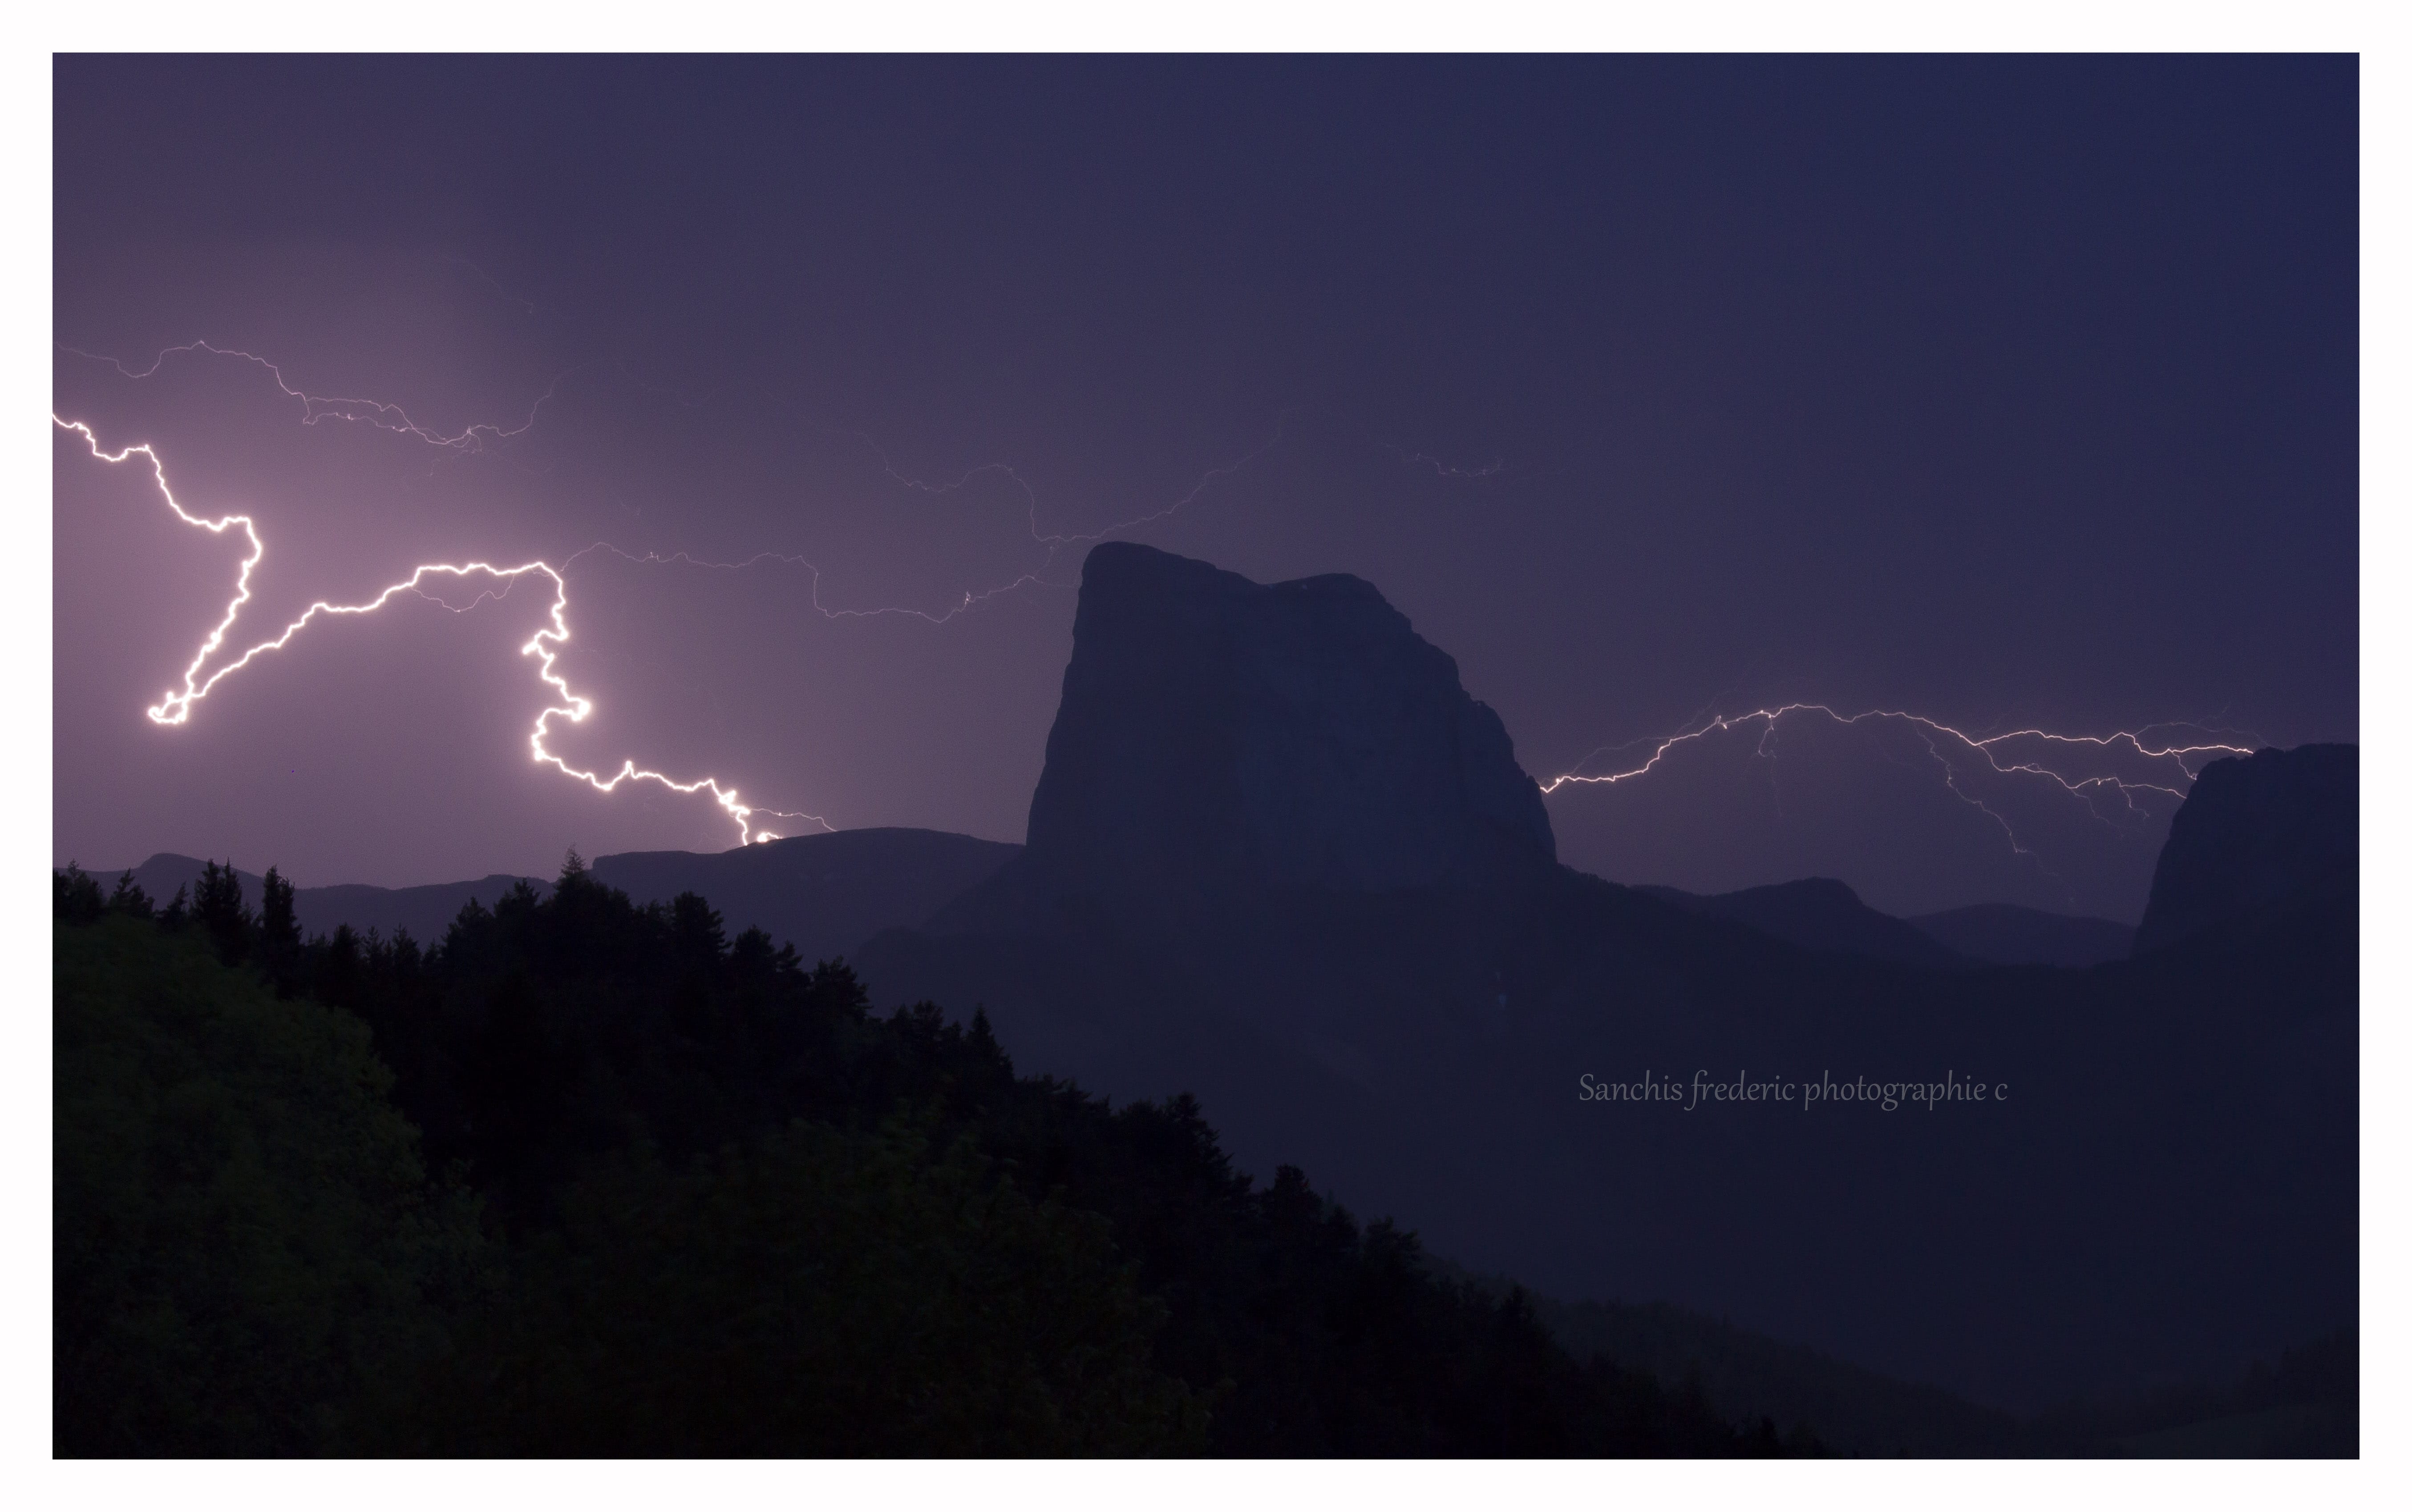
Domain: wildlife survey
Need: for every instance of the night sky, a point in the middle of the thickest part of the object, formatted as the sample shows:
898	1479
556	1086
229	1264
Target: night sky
2005	392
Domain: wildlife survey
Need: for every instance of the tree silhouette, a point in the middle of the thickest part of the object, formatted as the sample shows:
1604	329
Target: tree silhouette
75	898
278	938
738	1211
247	1248
217	908
128	898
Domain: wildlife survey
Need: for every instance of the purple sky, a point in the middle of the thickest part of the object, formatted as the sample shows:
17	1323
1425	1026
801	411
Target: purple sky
2007	393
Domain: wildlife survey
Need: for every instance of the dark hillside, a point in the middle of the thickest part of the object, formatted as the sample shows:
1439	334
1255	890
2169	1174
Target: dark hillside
2006	934
731	1211
1820	914
824	894
247	1244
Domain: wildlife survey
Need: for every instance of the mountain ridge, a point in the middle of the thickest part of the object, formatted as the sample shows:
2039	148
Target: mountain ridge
823	893
1820	914
1426	1041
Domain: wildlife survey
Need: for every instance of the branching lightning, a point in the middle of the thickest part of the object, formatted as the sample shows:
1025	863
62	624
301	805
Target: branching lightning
2171	765
2173	760
176	707
317	407
1498	466
1053	542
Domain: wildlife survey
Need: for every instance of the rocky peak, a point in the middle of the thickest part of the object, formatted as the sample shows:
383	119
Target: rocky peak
1218	733
2255	831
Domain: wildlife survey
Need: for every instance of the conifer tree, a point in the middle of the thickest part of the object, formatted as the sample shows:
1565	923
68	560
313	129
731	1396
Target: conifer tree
279	944
217	905
75	898
128	897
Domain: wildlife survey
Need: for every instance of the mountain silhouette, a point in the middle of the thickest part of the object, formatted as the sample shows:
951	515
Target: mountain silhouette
2268	830
425	911
825	894
1819	913
1281	860
1220	738
2006	934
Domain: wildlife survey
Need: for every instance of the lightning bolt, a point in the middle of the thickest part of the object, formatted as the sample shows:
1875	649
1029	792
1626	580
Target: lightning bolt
1441	469
1938	736
1053	542
1954	751
317	407
176	707
473	438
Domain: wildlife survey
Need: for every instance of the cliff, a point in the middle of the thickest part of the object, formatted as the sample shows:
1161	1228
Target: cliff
1218	735
2255	832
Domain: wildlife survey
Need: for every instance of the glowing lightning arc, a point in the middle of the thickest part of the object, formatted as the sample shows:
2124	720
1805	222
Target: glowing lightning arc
176	707
317	407
1928	730
2132	739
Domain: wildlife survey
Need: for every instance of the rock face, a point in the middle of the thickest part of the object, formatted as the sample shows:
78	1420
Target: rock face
2255	831
1218	734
